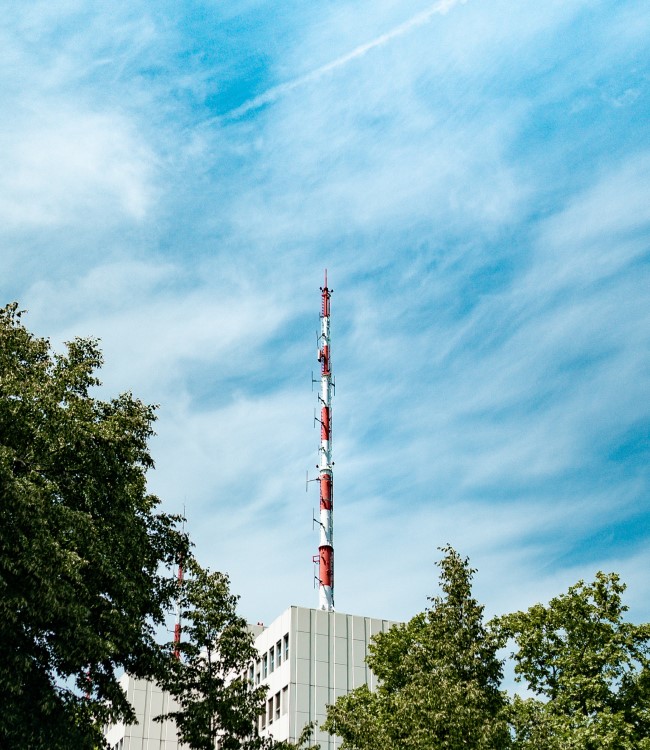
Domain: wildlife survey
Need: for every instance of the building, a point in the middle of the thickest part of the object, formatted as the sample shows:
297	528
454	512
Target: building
307	658
148	701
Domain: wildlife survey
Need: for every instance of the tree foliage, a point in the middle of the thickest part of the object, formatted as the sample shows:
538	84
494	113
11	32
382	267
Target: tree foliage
209	680
589	668
438	675
81	544
304	741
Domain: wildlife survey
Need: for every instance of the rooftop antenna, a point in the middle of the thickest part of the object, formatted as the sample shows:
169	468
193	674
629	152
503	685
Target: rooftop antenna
325	557
177	624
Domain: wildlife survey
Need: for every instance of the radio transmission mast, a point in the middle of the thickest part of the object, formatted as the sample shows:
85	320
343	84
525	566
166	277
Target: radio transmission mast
177	624
326	546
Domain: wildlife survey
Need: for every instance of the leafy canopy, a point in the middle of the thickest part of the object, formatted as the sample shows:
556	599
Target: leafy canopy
81	544
208	679
587	665
439	679
588	669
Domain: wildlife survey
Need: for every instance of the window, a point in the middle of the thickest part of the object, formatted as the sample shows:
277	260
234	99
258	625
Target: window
277	705
259	673
263	720
251	674
270	710
278	652
286	646
265	666
271	659
285	699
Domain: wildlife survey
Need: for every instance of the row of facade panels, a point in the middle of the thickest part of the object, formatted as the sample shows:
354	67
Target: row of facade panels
307	659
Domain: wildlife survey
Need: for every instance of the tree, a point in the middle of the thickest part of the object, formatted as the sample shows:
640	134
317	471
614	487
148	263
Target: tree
208	675
588	667
81	545
304	741
209	678
438	679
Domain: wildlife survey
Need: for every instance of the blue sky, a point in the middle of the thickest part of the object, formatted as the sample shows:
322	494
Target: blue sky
475	176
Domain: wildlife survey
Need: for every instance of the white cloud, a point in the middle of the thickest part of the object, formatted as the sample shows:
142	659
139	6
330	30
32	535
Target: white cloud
70	167
490	315
153	327
601	232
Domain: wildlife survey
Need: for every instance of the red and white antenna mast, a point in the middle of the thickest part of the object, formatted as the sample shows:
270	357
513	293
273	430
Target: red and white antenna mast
325	477
177	624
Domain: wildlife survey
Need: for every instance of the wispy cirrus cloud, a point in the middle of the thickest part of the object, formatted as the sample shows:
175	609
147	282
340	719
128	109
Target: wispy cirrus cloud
419	19
63	167
475	178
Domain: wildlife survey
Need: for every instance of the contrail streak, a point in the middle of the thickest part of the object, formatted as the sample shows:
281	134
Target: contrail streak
439	8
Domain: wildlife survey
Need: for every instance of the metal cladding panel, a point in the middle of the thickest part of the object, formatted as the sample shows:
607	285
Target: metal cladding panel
321	620
322	700
341	677
303	701
303	671
322	650
302	719
340	650
139	702
378	626
358	677
134	735
302	645
156	704
322	674
358	652
303	617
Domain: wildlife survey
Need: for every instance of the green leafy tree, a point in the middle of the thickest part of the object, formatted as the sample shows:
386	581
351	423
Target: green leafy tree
209	678
439	679
81	545
588	667
304	742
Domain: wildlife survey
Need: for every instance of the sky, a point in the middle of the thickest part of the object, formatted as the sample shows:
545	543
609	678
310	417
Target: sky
475	178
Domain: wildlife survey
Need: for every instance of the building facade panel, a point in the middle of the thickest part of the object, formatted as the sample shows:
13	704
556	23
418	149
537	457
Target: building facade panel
307	658
328	661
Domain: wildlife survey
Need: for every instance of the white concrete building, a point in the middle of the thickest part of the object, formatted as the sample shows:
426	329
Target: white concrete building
321	657
307	658
148	701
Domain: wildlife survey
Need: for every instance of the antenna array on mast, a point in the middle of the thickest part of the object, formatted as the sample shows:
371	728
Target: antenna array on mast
325	557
